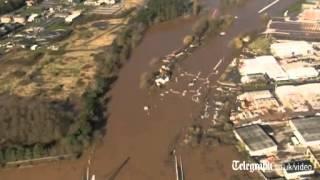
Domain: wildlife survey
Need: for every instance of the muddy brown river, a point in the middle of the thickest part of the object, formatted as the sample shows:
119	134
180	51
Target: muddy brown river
137	144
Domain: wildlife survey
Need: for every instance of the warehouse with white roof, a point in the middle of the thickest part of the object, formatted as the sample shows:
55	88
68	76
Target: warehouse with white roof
301	72
299	98
291	48
263	65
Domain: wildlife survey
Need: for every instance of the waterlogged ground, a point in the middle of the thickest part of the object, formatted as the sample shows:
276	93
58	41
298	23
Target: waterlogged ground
137	144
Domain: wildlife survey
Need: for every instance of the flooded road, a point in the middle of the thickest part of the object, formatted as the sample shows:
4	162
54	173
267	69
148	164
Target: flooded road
137	144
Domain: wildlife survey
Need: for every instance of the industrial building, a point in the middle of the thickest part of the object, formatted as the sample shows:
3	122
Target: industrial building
310	15
289	49
263	65
294	30
307	130
255	140
256	105
301	98
300	71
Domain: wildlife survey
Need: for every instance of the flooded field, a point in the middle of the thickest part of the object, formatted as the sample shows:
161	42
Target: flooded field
137	144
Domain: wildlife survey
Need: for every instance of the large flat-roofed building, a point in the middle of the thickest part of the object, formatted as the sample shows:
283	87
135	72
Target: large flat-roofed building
255	105
302	98
310	15
300	71
295	30
256	140
263	65
307	130
288	49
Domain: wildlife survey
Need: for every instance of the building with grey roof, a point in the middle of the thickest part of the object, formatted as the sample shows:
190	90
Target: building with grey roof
307	130
255	140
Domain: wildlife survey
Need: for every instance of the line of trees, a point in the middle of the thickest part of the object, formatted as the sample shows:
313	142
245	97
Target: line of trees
22	153
35	127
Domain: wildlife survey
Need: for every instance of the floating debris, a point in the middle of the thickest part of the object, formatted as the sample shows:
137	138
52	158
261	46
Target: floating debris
146	108
222	33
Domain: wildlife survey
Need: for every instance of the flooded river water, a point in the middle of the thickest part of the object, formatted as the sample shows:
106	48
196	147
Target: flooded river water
137	144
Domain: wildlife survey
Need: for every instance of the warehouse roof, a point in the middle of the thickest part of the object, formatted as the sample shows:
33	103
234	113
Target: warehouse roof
265	65
301	72
294	30
310	15
309	128
291	48
255	137
299	98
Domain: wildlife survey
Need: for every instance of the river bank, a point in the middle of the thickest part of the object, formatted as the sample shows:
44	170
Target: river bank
147	138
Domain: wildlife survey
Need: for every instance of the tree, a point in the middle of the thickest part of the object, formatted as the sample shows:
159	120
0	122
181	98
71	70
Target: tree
196	7
20	153
187	40
38	151
2	158
10	154
200	27
28	153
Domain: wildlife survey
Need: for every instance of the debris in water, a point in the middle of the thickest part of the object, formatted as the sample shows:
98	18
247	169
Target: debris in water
146	108
184	93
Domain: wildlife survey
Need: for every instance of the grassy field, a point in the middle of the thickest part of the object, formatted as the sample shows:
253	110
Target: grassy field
59	74
44	86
